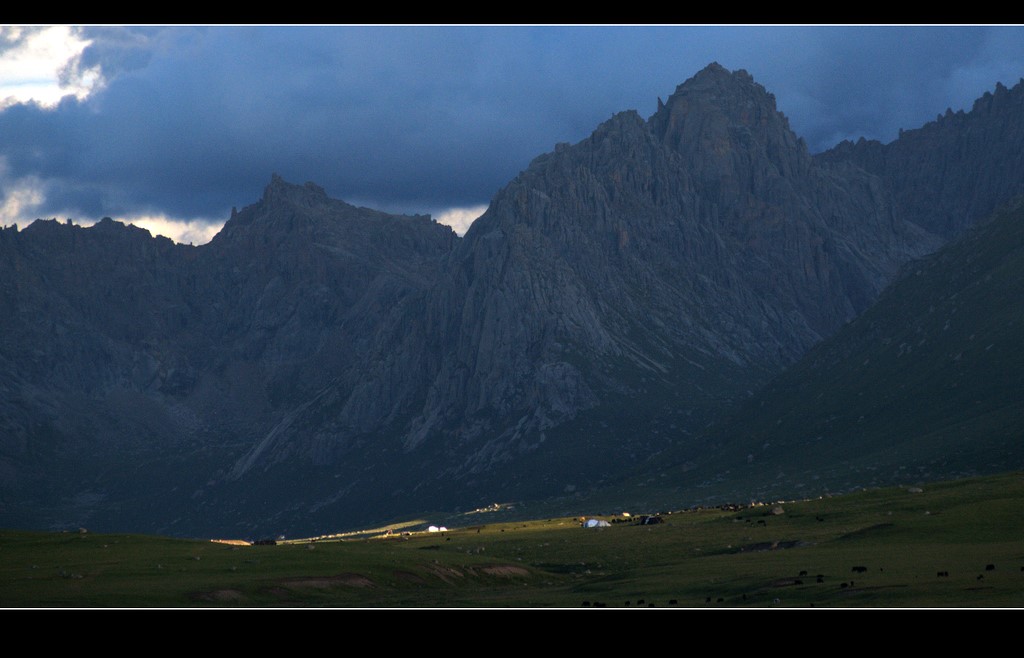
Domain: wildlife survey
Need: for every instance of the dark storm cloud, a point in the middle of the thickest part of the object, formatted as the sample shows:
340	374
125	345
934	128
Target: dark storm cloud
847	82
194	120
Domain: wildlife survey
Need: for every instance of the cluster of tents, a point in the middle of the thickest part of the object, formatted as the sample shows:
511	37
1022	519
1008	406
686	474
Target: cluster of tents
640	520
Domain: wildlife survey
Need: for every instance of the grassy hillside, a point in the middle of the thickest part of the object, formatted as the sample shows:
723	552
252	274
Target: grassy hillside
902	538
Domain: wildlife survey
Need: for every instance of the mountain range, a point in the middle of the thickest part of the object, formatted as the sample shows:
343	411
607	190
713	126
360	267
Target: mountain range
648	297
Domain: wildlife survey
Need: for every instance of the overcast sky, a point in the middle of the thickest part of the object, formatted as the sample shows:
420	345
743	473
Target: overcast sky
169	127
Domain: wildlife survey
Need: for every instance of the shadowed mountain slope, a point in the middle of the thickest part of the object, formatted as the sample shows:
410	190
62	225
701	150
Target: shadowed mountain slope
924	385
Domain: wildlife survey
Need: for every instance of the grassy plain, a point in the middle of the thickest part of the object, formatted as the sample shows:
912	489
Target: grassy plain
899	539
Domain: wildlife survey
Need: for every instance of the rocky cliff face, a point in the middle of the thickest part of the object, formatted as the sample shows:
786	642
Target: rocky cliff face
320	365
317	292
703	247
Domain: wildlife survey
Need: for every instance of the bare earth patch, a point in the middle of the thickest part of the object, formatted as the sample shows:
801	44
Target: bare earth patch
506	570
326	582
446	573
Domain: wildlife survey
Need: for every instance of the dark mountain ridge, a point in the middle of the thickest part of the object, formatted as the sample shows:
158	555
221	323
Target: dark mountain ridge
318	365
941	176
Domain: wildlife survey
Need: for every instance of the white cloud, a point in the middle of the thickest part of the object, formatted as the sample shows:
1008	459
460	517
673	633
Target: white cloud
22	198
182	231
19	199
39	65
460	218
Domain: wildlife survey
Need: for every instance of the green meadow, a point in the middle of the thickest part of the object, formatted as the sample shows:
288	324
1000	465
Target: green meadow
875	548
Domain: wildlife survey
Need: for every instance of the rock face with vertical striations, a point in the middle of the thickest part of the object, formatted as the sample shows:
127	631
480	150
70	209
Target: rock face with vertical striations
318	365
703	248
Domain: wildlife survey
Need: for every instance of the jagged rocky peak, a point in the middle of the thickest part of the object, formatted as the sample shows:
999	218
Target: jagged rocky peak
286	206
1002	97
718	111
54	232
280	194
730	140
281	190
303	215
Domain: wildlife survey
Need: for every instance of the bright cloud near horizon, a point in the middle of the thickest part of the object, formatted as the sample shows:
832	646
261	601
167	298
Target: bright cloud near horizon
170	127
37	64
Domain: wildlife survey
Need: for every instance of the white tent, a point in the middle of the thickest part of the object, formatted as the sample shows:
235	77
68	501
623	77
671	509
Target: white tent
595	523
